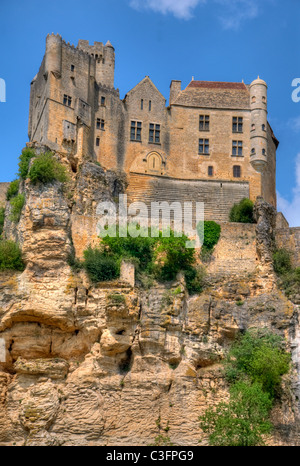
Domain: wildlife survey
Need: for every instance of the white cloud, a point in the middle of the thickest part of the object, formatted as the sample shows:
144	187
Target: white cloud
179	8
231	13
291	209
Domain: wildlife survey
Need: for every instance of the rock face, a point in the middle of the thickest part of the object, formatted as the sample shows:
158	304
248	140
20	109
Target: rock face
116	364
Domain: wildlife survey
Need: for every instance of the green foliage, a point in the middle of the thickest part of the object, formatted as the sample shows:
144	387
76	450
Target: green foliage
282	261
10	256
2	218
117	298
12	189
242	212
162	440
128	247
172	256
17	204
194	279
212	231
290	282
25	157
242	421
100	266
45	168
258	355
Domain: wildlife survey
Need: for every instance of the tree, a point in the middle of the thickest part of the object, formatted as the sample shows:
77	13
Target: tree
242	421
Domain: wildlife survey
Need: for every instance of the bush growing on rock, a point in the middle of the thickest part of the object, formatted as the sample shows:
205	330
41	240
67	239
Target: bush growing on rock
212	231
25	158
17	204
242	212
10	256
282	261
100	266
45	168
12	189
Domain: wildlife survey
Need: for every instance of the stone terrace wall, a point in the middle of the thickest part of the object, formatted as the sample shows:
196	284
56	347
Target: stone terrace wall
235	252
289	238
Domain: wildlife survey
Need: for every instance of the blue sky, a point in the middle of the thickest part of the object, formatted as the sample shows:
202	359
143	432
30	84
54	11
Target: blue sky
217	40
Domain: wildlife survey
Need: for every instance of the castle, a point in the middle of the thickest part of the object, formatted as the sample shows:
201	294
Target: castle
212	143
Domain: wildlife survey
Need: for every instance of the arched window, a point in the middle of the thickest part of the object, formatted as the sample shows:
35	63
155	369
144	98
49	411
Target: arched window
252	151
236	171
154	163
253	127
263	151
253	99
263	127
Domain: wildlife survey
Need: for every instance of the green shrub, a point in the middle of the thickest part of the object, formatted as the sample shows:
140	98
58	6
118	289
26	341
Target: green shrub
10	256
242	212
258	355
2	218
12	189
140	248
45	168
172	256
290	282
100	266
117	298
17	204
25	157
212	231
242	421
282	261
194	279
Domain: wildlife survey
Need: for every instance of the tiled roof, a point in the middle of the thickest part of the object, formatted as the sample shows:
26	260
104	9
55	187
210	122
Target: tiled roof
210	94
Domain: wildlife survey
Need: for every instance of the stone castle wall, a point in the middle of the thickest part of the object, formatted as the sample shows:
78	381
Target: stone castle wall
289	238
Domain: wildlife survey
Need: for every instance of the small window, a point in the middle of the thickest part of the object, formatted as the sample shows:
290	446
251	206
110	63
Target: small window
102	101
253	127
150	105
142	104
263	127
210	171
203	122
237	148
100	124
67	100
253	99
136	131
252	150
154	133
264	99
72	68
236	171
204	146
97	142
237	124
263	151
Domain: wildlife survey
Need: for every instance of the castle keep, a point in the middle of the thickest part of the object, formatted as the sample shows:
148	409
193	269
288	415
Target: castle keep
212	143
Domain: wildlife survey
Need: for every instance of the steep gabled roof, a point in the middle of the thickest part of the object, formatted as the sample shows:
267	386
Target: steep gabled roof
143	81
209	94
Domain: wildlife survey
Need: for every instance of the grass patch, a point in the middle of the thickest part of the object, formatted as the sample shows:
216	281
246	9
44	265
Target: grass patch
12	189
10	256
17	204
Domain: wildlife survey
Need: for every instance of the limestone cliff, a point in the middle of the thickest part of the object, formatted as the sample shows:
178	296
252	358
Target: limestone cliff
114	364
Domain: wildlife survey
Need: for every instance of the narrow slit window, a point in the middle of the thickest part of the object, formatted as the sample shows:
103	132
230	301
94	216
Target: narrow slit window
142	104
97	142
102	101
150	105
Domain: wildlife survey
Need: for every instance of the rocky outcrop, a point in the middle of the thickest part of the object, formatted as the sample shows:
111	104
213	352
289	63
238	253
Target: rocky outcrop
116	364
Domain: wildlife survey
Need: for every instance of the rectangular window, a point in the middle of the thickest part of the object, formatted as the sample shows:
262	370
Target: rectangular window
97	141
237	148
100	124
142	104
150	105
72	67
210	171
204	123
154	133
236	171
136	131
204	146
102	101
67	100
237	124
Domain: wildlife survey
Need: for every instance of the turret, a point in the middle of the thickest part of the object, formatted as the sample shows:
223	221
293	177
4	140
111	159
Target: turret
258	130
53	55
104	61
